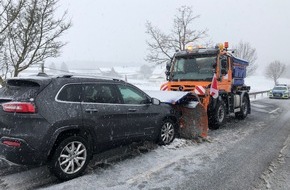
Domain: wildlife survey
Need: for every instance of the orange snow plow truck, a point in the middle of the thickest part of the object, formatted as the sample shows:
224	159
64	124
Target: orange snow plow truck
216	76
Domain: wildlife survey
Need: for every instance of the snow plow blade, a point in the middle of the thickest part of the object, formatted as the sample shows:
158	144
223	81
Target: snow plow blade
193	122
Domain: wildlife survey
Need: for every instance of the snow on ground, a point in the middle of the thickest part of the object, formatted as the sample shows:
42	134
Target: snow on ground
160	163
146	85
257	83
157	159
261	83
117	176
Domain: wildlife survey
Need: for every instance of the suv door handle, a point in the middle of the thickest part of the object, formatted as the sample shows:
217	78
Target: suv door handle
91	110
132	110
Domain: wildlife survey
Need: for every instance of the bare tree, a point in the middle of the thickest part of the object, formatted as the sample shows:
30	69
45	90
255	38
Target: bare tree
162	46
245	51
12	7
9	10
33	36
274	70
286	74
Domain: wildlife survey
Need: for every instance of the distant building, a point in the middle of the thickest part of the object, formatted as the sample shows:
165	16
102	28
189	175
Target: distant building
128	72
110	72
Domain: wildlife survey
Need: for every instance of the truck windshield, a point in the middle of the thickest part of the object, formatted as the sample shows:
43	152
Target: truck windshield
193	68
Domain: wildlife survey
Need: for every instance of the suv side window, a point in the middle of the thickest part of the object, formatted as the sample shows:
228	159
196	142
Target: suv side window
100	93
70	93
132	95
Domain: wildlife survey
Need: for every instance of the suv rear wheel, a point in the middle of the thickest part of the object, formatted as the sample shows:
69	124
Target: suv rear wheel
70	158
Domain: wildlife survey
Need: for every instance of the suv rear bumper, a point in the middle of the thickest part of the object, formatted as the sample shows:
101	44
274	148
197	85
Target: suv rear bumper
22	154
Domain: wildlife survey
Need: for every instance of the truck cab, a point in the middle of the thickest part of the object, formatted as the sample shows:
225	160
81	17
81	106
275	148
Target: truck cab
194	69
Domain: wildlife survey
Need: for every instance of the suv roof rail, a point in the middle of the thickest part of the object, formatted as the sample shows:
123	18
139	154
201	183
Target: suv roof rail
89	76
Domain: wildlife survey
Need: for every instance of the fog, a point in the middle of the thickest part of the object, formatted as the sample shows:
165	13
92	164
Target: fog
113	32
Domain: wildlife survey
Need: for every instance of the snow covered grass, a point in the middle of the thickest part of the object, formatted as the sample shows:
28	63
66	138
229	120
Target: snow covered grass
145	84
257	83
261	83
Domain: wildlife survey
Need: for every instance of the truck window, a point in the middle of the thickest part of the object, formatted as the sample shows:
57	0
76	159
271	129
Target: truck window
224	66
194	68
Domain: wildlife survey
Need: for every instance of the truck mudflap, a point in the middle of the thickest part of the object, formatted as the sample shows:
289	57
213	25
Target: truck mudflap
193	121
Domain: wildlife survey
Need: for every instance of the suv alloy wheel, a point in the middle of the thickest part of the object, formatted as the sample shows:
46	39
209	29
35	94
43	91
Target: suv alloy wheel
70	158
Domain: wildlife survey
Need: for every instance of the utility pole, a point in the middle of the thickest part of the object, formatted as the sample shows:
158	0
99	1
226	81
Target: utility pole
42	67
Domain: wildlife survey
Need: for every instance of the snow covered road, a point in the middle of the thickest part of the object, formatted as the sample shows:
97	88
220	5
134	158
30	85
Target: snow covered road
237	157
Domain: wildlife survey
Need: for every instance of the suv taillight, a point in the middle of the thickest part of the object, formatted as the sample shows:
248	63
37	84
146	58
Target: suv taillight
19	107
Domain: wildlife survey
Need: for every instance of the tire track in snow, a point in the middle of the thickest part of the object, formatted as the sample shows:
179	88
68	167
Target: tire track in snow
29	179
271	172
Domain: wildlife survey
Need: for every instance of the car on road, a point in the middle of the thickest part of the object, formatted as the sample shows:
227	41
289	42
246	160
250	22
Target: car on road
280	91
62	121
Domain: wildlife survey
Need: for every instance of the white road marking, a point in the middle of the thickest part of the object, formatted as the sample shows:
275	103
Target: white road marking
258	105
274	111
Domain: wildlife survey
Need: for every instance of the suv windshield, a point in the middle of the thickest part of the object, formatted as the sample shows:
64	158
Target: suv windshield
193	68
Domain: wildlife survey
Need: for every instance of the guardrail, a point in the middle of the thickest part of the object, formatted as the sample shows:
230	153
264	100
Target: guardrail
254	94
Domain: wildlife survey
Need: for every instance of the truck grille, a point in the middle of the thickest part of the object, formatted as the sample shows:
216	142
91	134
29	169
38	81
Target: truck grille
182	88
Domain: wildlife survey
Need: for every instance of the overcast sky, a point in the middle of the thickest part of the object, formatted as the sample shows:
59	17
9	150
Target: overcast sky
114	30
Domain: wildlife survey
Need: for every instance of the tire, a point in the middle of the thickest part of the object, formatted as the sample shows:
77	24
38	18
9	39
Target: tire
167	132
244	109
66	164
217	116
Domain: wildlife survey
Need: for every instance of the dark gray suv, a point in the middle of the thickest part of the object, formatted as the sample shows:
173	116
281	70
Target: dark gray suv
63	120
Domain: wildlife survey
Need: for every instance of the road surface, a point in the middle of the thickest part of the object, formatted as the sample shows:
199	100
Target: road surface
244	154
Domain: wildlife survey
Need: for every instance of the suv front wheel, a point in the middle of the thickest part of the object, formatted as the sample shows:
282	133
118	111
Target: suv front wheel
70	158
167	132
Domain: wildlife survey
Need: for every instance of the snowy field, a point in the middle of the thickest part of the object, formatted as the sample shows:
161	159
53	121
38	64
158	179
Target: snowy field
261	83
257	83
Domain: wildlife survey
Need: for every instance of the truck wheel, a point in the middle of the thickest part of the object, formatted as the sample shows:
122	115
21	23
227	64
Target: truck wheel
70	158
244	109
217	117
167	132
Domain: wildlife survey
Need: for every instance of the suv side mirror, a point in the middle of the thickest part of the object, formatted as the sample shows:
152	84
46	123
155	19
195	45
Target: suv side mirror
155	101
